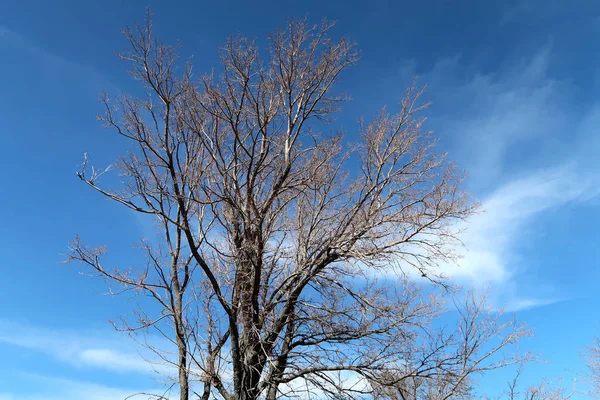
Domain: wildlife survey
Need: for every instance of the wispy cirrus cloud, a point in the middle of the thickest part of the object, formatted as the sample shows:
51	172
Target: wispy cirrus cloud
508	214
43	387
82	348
529	148
16	47
511	215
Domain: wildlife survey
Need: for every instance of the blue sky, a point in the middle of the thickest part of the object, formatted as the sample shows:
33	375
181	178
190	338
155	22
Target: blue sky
514	87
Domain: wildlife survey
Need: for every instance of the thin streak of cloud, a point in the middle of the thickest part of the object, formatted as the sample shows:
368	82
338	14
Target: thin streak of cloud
508	213
61	69
523	304
53	388
81	349
529	151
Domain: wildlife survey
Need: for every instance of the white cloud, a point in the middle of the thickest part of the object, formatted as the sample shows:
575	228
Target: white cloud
52	388
350	381
520	304
509	214
61	69
104	350
529	151
103	358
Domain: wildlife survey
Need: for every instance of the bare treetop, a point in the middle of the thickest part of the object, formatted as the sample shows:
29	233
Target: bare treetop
271	225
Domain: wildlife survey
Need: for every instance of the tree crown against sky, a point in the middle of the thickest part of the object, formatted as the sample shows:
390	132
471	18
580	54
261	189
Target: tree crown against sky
513	101
276	232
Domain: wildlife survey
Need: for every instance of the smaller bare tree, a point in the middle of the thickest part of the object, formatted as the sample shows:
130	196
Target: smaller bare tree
446	365
546	390
592	357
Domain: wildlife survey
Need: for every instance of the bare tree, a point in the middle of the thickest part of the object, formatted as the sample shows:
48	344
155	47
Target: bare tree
445	364
546	390
592	357
275	231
